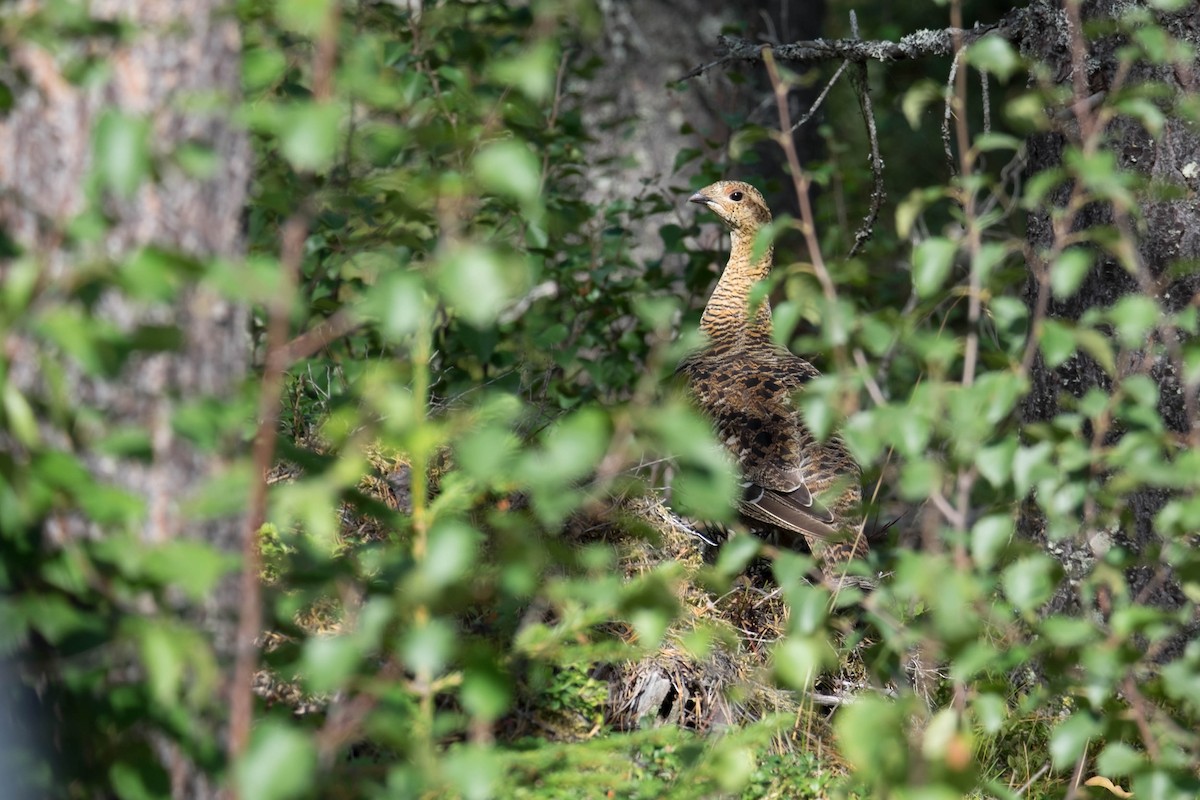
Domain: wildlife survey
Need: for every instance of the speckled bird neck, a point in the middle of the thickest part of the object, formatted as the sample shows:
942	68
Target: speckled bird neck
727	315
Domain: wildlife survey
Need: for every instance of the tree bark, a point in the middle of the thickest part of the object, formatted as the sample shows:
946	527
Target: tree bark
176	65
1170	235
638	111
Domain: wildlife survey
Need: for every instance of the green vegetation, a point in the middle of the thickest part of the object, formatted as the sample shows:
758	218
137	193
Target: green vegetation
470	581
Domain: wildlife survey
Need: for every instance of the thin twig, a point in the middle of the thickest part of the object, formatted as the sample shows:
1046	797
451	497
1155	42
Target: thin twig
966	475
950	95
860	358
801	180
241	701
1077	773
821	97
1032	779
952	515
292	238
312	341
878	193
1138	705
986	97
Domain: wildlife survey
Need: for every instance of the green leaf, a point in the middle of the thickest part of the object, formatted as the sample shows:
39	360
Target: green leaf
1068	271
1068	631
1098	346
1030	465
451	552
1144	111
917	98
195	567
486	691
164	661
996	461
1027	112
989	536
261	66
570	448
19	416
932	259
809	608
990	710
532	71
476	771
478	282
988	142
994	55
308	17
798	661
919	479
1134	317
280	763
734	766
735	554
1029	581
310	135
328	662
509	168
1057	341
873	736
122	151
426	648
1071	736
1120	758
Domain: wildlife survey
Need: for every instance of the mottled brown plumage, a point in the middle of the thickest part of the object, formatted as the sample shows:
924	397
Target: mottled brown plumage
748	385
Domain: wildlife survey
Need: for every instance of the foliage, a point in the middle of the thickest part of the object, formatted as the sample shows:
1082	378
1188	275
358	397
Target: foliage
447	551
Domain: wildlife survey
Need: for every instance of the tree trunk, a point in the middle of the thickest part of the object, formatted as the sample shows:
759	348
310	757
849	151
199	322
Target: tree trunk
1169	235
643	119
174	70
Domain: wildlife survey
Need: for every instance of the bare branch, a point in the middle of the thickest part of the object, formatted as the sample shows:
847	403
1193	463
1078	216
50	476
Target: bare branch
878	192
821	97
294	234
950	81
920	44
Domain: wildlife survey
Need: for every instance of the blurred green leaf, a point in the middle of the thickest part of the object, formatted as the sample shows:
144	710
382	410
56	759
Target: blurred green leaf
989	536
122	151
309	134
797	661
1071	736
307	17
871	735
532	71
280	763
478	282
1058	342
509	168
1029	581
1069	270
994	55
932	259
328	662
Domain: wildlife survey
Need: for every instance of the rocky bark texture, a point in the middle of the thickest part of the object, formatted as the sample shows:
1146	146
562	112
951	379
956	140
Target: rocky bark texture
173	66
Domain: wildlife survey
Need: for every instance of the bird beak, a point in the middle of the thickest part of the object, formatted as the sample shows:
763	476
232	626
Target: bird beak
699	198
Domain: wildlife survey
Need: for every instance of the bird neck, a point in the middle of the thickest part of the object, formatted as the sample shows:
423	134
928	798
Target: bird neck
727	315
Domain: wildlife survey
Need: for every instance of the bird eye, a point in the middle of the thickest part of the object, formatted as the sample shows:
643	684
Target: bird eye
736	197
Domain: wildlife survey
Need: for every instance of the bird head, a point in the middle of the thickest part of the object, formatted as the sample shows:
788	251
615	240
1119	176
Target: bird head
738	204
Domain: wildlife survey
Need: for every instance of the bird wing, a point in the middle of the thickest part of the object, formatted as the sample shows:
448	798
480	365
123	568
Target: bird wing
748	393
785	469
794	511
